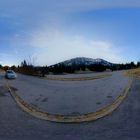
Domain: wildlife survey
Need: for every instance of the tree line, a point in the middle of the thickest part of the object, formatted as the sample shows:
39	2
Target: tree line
30	69
60	68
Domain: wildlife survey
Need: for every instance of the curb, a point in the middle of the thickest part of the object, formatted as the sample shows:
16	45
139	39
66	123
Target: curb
68	118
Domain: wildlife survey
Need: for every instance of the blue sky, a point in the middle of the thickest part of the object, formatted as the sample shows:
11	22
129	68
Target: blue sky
45	32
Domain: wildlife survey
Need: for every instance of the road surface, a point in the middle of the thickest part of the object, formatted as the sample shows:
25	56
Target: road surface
69	97
122	124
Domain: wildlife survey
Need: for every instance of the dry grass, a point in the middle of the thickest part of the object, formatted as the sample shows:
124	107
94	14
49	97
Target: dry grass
79	78
133	72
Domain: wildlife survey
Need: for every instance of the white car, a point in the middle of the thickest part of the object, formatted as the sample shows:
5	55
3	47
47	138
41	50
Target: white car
10	74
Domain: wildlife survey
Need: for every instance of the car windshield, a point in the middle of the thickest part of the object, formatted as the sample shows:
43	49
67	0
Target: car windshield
10	72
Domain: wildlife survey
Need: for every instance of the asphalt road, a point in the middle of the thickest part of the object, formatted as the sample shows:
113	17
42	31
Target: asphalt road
70	97
122	124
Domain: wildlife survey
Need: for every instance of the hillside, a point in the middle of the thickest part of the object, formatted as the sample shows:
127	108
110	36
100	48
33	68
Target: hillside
84	61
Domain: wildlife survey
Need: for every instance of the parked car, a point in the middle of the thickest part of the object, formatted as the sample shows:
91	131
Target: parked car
10	74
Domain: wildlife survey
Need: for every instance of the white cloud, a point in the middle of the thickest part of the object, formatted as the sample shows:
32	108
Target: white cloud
54	46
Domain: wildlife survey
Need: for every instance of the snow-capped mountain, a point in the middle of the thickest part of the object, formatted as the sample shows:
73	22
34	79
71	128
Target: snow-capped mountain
85	61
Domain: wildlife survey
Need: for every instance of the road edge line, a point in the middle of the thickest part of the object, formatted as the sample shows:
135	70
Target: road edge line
68	118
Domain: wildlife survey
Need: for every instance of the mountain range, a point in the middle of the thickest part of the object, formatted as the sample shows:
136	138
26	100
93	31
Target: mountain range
85	61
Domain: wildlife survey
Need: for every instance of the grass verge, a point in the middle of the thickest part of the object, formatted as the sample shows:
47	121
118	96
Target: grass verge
132	72
78	78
